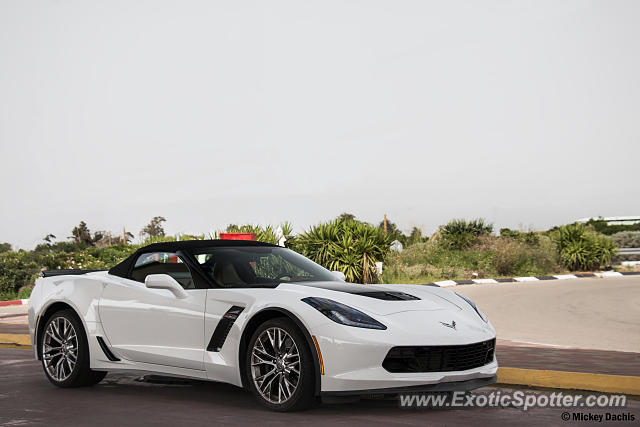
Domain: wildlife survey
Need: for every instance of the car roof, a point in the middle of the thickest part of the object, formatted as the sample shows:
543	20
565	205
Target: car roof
125	266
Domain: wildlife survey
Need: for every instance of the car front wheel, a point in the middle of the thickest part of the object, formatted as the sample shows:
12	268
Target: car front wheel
280	367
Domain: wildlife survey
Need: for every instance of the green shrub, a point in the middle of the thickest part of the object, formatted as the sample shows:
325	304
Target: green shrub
627	239
414	237
509	255
580	248
460	234
25	292
17	269
424	262
159	239
349	246
88	258
516	257
431	261
528	237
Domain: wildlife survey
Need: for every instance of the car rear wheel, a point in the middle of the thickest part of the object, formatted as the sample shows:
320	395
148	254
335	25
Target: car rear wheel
280	368
65	352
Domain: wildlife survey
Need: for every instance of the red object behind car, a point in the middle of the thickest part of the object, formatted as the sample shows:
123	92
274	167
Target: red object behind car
238	236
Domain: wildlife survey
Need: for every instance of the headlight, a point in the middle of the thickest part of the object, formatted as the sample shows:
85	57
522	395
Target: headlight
343	314
475	307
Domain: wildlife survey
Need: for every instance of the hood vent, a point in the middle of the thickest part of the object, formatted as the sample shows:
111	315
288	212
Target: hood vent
388	295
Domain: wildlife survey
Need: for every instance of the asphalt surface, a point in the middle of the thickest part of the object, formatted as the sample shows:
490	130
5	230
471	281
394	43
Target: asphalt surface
588	313
27	398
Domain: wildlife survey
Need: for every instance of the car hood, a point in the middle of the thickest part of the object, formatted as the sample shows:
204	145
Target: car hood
379	299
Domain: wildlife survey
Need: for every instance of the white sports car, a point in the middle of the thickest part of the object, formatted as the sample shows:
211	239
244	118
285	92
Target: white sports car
257	316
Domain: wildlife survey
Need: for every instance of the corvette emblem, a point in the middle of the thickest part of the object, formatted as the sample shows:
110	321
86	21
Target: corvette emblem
451	325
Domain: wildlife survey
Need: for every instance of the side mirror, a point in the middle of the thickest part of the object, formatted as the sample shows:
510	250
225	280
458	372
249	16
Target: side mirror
340	275
164	281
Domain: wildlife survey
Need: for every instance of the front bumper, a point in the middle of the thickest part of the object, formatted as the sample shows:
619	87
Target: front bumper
353	357
467	385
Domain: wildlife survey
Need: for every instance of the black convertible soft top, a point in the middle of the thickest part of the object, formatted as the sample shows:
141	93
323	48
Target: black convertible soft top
123	269
75	272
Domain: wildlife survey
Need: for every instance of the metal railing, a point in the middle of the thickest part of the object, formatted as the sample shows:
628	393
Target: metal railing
628	251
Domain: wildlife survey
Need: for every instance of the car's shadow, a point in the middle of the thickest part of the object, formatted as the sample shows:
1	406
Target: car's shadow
206	392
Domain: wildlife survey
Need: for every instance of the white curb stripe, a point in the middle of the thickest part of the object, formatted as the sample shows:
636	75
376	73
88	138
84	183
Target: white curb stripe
25	301
446	283
526	279
609	274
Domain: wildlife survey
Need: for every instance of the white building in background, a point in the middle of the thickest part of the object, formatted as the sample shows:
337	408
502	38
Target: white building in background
614	220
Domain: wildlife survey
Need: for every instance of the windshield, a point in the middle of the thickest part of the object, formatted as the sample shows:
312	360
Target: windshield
238	267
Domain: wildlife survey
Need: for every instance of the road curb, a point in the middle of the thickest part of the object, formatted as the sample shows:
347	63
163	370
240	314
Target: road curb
570	380
603	274
14	302
22	340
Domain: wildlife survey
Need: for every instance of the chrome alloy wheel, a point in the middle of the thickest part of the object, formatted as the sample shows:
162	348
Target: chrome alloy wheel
60	349
275	365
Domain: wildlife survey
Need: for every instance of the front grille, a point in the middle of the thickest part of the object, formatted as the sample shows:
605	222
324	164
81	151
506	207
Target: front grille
440	358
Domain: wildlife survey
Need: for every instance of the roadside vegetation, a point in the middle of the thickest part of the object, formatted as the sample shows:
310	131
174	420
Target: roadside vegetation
626	239
600	226
580	248
468	250
459	249
345	245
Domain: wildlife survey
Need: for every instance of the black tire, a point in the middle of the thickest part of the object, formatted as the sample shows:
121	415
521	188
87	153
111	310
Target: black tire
304	395
80	375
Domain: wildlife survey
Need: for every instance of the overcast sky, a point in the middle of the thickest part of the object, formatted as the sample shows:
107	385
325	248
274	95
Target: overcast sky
526	113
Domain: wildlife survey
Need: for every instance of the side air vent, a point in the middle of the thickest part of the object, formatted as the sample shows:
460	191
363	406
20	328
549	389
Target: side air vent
389	296
224	326
106	350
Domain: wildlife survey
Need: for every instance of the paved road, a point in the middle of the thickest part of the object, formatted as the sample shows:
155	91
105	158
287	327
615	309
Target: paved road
27	398
591	313
13	319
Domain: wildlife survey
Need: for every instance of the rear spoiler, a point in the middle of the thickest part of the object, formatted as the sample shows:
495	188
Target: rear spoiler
49	273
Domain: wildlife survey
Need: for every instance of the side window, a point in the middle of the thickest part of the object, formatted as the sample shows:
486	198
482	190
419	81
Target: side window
162	263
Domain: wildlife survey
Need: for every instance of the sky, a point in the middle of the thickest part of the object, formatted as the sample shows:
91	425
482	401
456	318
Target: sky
525	113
